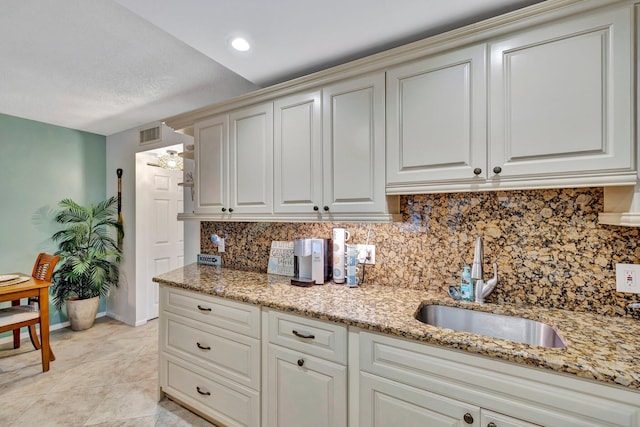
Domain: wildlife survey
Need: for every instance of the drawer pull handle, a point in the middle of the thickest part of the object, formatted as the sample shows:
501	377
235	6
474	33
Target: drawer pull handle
298	334
468	418
300	362
204	393
201	347
201	308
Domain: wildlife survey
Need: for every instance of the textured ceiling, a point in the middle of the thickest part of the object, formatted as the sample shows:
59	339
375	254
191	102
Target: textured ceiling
106	66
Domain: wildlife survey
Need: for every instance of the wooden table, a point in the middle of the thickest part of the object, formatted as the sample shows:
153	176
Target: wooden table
32	288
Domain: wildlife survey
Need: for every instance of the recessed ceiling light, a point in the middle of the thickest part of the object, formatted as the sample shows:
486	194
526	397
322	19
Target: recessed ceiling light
240	44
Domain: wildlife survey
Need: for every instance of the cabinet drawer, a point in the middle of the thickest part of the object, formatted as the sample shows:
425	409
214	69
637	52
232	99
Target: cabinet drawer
316	337
231	355
231	315
219	399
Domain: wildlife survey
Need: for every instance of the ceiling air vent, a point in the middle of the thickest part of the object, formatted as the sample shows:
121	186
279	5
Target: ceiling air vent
150	135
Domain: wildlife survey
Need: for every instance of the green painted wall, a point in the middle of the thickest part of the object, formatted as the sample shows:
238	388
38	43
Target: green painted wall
41	164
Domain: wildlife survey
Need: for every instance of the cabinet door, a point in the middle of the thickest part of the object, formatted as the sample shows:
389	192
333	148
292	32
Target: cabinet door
354	145
251	159
494	419
561	98
298	153
303	390
436	118
211	158
386	403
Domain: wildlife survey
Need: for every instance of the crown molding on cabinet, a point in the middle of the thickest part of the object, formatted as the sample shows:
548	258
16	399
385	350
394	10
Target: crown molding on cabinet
337	218
530	183
621	206
478	32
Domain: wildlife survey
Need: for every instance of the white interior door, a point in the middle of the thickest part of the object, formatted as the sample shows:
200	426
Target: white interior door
165	234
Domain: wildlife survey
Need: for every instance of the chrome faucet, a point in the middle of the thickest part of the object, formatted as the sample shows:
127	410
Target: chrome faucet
482	289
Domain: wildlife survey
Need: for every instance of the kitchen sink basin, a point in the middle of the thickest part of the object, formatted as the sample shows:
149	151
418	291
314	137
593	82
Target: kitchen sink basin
512	328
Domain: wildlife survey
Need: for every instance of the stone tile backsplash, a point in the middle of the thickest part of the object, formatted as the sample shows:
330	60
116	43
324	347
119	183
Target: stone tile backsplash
548	245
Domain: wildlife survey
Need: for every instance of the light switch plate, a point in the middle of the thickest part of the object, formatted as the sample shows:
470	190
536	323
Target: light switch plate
628	278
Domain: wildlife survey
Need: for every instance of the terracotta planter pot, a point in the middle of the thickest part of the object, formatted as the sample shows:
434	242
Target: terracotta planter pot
82	312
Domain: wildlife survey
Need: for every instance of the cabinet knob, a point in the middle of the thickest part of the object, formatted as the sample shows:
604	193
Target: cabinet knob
326	208
492	424
477	171
224	209
300	362
468	418
497	170
230	210
315	208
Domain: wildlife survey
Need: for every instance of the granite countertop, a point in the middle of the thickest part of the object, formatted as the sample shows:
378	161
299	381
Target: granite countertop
598	347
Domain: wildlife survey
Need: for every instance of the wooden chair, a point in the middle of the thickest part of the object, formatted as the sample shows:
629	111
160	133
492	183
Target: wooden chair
19	316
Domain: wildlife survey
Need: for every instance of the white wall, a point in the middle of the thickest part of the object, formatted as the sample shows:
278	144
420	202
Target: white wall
128	302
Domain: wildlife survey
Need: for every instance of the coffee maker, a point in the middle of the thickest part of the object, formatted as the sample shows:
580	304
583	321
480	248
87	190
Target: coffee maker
311	261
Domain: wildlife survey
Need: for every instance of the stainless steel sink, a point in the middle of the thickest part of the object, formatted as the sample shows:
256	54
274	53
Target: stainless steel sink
511	328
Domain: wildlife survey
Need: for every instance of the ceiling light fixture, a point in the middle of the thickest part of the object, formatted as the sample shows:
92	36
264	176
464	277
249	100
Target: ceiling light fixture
170	161
240	44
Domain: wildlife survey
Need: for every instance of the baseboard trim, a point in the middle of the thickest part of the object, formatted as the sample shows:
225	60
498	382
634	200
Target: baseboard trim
124	320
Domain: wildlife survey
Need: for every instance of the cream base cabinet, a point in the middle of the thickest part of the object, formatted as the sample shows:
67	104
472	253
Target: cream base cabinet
304	390
210	356
411	384
354	145
388	403
211	140
251	160
436	119
561	99
305	377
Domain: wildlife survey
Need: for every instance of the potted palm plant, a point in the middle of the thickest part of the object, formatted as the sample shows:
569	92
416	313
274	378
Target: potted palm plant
89	257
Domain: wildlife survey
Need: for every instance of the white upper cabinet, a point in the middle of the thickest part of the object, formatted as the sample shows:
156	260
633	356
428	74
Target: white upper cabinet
436	118
542	98
354	145
251	159
561	99
329	150
211	159
297	184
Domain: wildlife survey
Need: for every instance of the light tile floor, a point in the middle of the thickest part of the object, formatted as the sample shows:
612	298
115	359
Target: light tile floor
105	376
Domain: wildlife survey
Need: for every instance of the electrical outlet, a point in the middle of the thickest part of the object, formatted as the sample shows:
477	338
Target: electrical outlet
628	278
366	254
